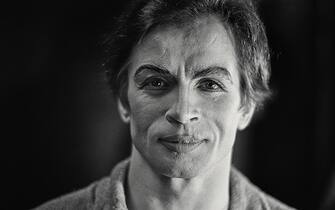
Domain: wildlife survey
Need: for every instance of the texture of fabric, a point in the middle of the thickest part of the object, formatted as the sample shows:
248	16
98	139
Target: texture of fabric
109	193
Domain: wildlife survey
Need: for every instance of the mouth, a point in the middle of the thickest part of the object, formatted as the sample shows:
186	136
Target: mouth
181	144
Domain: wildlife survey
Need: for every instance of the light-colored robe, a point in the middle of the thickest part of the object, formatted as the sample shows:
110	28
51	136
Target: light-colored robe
109	193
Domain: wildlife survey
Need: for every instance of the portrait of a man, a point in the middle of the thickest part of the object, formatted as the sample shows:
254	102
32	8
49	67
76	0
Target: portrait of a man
168	105
188	75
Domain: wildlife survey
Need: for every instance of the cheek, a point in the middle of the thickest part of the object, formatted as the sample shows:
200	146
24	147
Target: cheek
223	117
144	111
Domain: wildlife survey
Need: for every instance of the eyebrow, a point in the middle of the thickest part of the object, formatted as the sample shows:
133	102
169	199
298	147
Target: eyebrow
160	70
212	70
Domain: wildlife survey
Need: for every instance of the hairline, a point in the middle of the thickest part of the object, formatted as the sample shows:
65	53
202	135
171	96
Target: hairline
183	24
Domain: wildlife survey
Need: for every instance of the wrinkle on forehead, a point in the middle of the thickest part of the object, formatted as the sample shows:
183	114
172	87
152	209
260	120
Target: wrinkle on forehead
151	43
204	35
191	33
182	45
199	29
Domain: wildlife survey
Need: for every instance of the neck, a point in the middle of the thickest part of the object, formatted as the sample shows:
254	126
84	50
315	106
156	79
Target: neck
149	190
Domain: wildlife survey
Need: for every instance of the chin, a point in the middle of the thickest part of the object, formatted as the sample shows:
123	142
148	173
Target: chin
180	167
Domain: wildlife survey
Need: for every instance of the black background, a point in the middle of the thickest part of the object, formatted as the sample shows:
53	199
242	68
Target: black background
60	129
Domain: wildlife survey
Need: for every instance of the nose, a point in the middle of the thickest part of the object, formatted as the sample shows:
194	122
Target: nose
183	109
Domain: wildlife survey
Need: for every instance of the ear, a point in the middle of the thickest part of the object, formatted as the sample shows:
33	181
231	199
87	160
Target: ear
247	112
123	111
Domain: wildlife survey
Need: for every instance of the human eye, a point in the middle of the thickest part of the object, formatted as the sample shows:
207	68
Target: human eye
211	85
155	83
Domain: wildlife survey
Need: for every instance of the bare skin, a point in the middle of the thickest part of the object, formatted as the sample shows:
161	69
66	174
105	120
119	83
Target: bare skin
184	111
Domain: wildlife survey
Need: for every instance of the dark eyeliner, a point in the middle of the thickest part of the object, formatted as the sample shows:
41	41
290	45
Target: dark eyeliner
147	81
220	84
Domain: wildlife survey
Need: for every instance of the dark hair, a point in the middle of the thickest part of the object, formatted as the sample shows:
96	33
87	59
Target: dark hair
238	16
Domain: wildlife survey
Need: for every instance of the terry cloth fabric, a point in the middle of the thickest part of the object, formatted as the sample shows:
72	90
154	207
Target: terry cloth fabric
109	194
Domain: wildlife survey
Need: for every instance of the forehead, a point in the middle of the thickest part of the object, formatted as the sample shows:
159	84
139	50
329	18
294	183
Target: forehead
201	43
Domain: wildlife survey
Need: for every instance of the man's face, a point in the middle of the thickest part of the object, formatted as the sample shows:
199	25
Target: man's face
184	98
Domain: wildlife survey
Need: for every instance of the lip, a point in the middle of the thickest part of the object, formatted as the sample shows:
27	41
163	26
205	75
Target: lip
181	144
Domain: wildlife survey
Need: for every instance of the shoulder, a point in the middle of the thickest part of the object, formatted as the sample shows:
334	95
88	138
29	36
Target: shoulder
106	193
81	199
245	195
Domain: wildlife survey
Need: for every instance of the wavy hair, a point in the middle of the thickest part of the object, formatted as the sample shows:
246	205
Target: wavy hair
238	16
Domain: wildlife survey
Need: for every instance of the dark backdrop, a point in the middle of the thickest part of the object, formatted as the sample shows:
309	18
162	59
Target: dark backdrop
60	129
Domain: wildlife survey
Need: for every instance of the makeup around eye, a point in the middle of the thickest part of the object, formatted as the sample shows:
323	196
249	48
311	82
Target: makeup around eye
158	80
211	85
154	83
